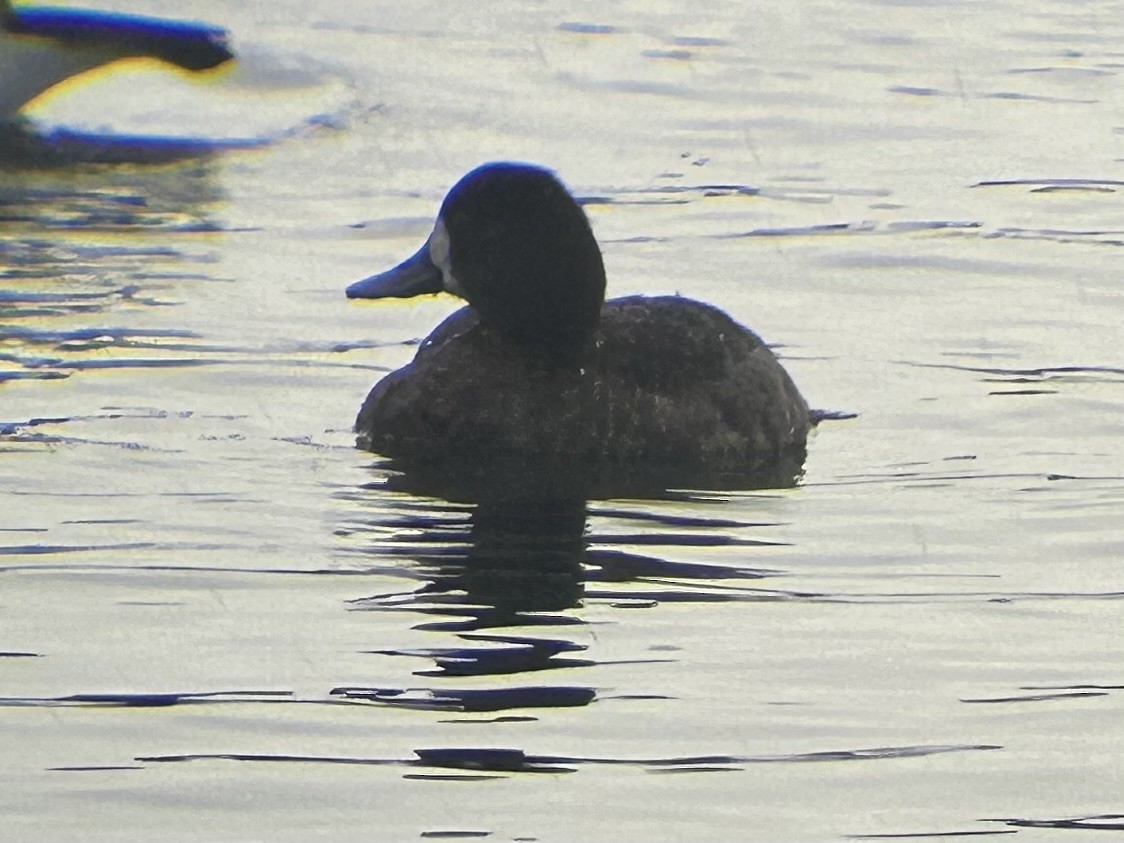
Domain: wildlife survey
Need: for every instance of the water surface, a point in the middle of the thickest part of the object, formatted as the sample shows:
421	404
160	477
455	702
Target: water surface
219	620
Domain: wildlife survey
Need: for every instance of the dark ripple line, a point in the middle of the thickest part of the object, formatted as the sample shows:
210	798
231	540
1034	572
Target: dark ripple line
8	428
1094	822
167	363
1061	69
29	376
107	768
236	756
712	595
1049	182
108	340
146	700
33	297
871	754
929	834
212	569
1057	232
80	334
480	662
40	549
991	597
671	520
471	700
1041	372
219	497
860	227
517	760
683	540
921	91
917	477
618	566
22	437
1037	697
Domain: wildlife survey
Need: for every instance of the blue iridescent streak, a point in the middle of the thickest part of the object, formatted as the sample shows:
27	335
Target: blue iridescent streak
189	44
86	23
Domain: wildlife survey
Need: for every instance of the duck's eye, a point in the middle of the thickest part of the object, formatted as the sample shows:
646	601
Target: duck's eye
439	255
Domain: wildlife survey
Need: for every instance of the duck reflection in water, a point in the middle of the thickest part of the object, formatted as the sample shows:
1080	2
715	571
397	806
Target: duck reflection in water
527	557
521	558
517	554
515	564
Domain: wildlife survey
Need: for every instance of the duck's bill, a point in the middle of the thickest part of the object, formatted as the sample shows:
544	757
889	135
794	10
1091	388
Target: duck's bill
415	276
187	44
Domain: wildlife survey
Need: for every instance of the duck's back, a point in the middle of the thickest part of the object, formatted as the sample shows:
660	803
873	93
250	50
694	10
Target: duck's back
685	382
671	385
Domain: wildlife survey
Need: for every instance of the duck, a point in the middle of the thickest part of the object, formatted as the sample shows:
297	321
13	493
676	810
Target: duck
41	47
539	368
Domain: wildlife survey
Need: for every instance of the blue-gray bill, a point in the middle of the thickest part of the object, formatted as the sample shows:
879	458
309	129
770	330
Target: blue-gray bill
187	44
415	276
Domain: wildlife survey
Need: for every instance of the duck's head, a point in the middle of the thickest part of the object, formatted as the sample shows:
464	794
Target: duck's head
186	44
514	243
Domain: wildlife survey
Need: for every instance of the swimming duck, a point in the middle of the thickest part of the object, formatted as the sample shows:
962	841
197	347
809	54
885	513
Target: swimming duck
43	46
539	366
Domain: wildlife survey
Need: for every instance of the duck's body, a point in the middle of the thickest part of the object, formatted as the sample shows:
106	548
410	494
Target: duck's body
43	46
668	383
663	386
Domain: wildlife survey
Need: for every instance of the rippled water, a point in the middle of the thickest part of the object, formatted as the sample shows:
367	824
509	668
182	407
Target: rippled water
218	620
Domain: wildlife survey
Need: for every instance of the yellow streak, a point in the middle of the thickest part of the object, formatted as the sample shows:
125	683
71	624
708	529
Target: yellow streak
129	64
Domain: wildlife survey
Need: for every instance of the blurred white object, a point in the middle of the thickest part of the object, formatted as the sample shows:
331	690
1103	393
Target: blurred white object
43	46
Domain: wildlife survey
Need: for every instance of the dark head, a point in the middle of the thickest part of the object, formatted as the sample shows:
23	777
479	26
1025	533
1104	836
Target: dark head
186	44
516	245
